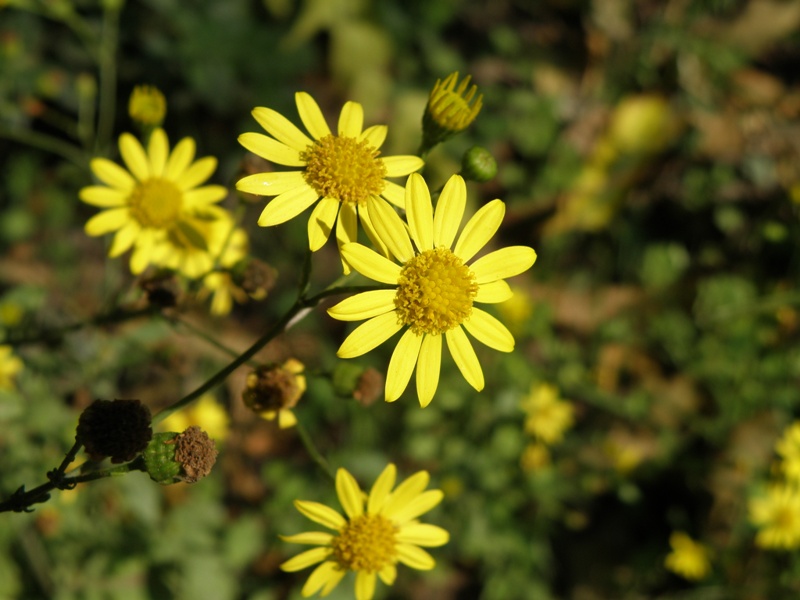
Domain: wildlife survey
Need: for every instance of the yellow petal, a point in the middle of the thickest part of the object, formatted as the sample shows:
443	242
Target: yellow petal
124	239
107	221
421	504
351	119
428	364
390	229
134	156
346	231
158	151
464	356
375	135
320	224
422	534
396	194
311	115
479	229
112	174
271	149
314	538
399	166
388	574
369	335
335	576
325	576
414	557
202	196
350	496
503	263
286	419
198	173
371	264
271	184
488	330
104	197
365	585
306	559
381	489
320	513
364	305
180	159
287	206
405	493
449	212
419	212
494	292
372	234
401	365
281	128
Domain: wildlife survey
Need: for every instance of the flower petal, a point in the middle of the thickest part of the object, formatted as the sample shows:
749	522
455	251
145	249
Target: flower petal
372	234
202	196
134	156
351	119
306	559
350	495
422	534
112	174
102	196
346	231
311	115
399	166
494	292
287	206
401	365
158	151
414	557
181	157
388	574
336	575
390	229
428	365
488	330
419	212
421	504
449	212
286	418
381	489
396	194
405	493
369	335
321	222
464	356
315	538
371	264
107	221
271	149
281	128
271	184
320	513
124	239
196	174
503	263
365	585
364	305
325	576
375	135
480	229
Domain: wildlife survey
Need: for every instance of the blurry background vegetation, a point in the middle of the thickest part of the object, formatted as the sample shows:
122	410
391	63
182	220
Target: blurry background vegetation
649	151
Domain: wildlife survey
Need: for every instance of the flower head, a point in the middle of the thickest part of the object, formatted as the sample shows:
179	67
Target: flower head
147	105
547	416
434	287
274	390
155	198
370	540
341	173
777	516
10	365
206	413
449	109
788	448
689	559
119	429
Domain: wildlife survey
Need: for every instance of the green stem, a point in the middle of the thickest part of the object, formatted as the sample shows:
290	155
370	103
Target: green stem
177	321
107	61
315	454
48	143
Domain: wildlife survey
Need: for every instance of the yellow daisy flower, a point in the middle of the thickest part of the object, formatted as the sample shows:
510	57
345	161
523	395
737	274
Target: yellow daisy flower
548	417
788	448
10	365
155	196
206	413
689	559
369	542
777	515
147	105
341	173
434	287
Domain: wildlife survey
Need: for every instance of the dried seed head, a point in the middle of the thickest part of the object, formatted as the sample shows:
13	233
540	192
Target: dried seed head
119	429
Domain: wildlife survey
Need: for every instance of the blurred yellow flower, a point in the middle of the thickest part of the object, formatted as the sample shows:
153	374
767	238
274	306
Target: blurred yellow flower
535	456
547	417
777	516
10	365
450	109
147	105
371	539
516	310
788	448
206	413
689	559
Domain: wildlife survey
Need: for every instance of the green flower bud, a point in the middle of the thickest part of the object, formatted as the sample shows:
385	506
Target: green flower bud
450	109
478	164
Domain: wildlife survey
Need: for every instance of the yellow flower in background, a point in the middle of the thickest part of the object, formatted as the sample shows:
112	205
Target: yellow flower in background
535	456
547	417
369	540
433	287
157	196
10	365
272	391
341	173
517	310
777	516
450	109
147	105
788	448
206	413
688	558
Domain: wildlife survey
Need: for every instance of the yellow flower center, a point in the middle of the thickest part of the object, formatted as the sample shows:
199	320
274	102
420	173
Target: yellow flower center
435	292
785	518
366	543
156	203
343	168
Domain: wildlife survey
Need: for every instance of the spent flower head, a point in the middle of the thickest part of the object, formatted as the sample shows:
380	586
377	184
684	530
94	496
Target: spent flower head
688	558
180	457
272	391
377	532
434	287
451	108
341	173
119	429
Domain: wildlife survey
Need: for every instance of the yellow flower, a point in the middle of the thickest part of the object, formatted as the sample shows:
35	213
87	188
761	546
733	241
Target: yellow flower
777	515
340	172
689	559
535	456
370	542
10	365
449	110
273	391
517	310
547	416
434	287
147	105
206	413
788	448
157	196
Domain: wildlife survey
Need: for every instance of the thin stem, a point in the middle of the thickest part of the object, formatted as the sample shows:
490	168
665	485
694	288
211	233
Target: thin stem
177	321
313	451
108	77
48	143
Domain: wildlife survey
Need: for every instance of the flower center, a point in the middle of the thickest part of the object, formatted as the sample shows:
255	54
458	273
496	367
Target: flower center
156	203
435	292
785	518
343	168
366	543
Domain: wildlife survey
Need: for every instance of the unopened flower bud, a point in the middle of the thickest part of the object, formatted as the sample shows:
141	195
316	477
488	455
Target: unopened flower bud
450	109
254	276
478	164
119	429
351	380
172	457
147	106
